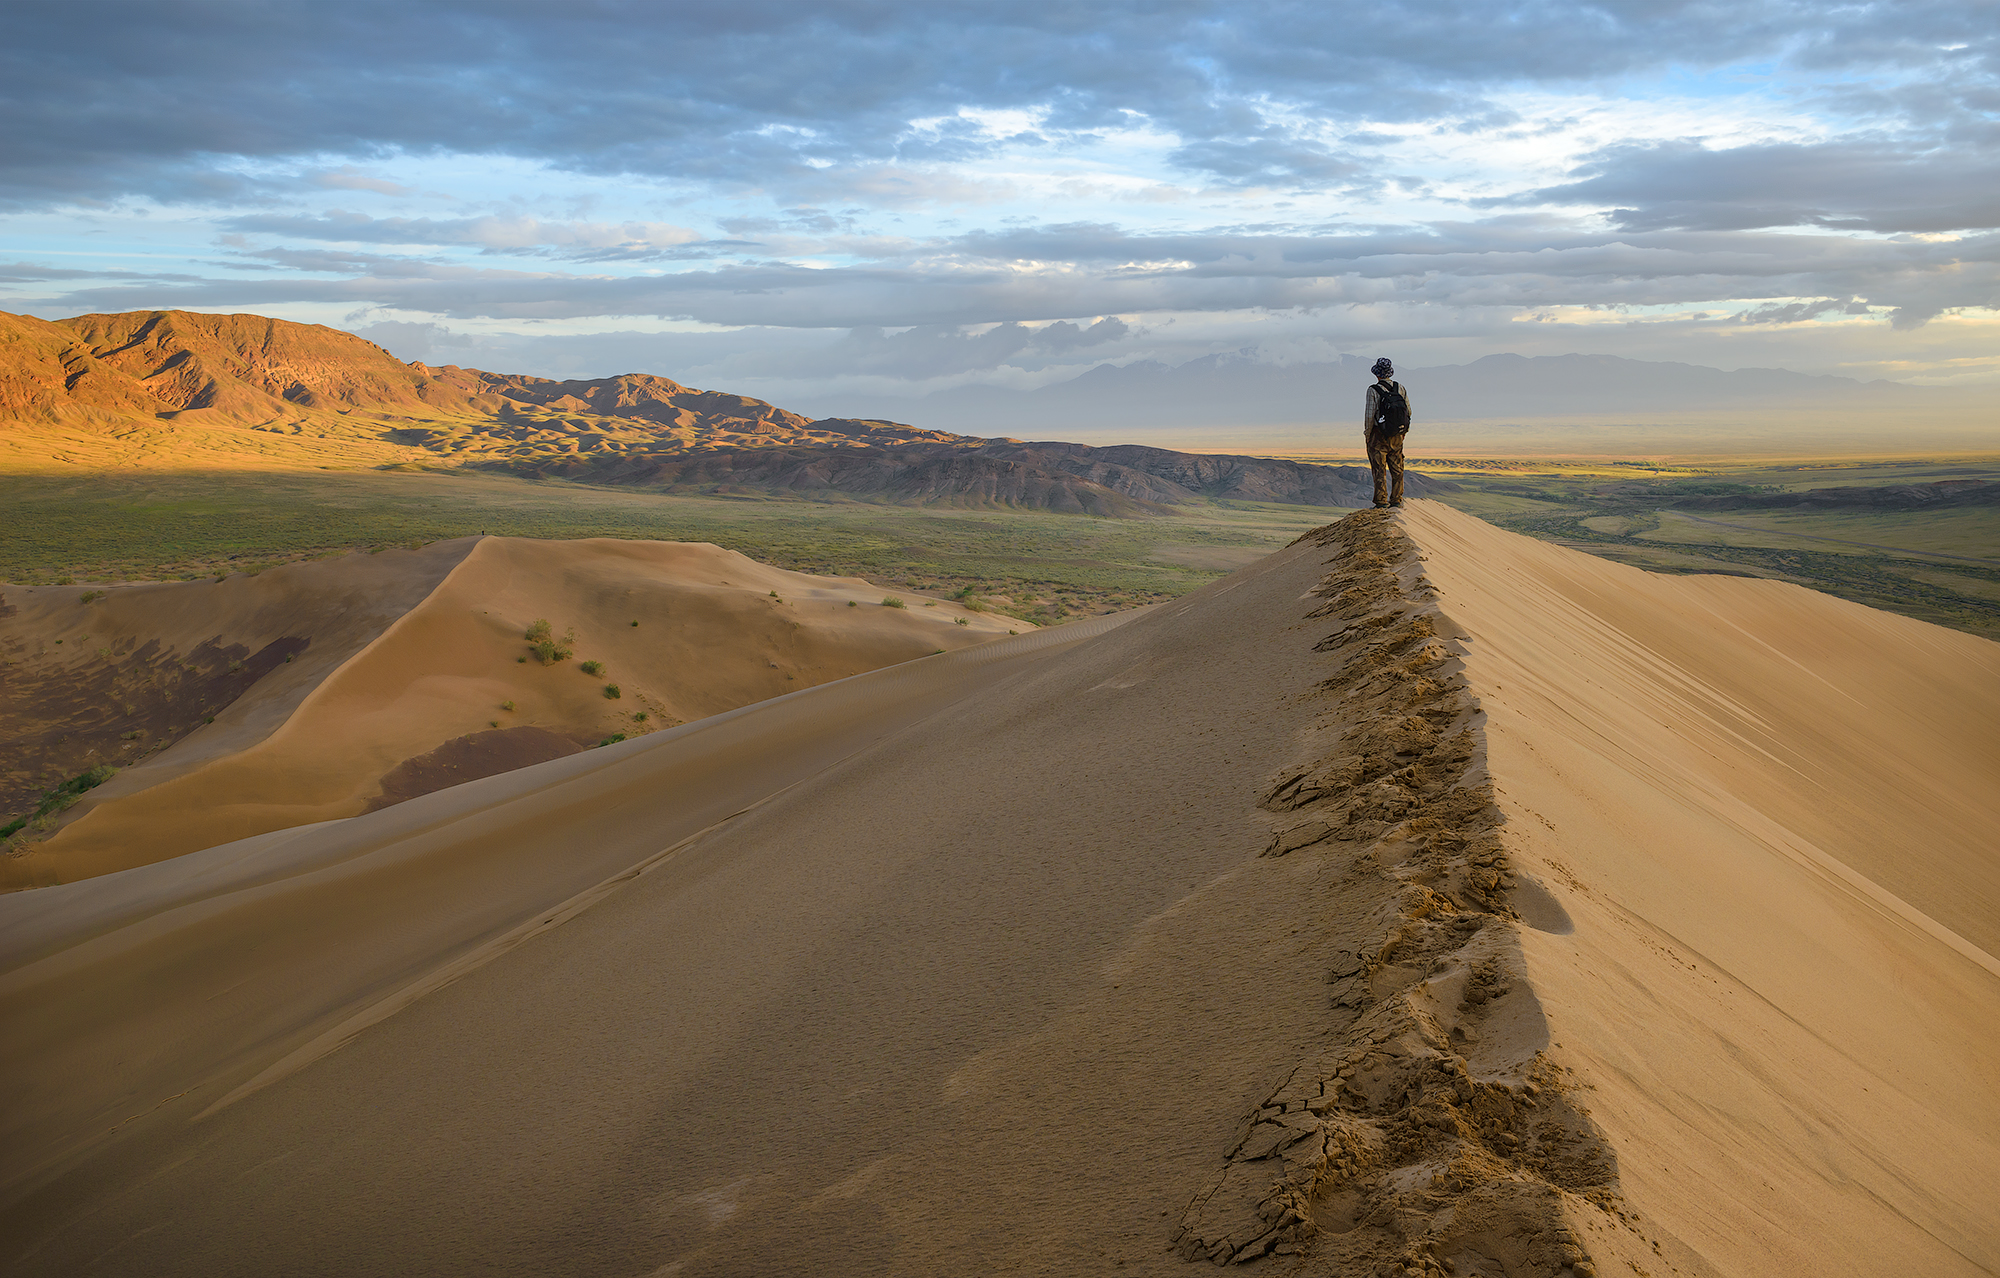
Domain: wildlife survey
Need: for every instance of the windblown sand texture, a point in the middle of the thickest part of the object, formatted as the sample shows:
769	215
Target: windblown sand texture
1421	899
345	685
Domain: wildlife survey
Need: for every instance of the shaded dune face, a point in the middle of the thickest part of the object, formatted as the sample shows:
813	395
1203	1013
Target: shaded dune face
157	678
433	683
1420	899
137	699
469	758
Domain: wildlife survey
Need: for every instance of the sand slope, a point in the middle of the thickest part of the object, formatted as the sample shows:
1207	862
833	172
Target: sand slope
1397	900
1772	814
160	677
406	662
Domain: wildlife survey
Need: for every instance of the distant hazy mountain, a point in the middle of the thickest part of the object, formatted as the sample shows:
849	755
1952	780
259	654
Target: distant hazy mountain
1235	390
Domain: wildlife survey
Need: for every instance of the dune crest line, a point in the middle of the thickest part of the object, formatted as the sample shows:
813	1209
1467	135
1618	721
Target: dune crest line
1434	1034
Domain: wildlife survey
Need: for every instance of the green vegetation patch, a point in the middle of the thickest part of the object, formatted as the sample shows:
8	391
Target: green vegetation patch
58	799
1039	565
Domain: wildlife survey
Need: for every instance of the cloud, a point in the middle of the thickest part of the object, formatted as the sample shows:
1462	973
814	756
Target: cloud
1867	185
35	273
349	178
494	234
953	191
125	97
926	353
1800	312
1033	275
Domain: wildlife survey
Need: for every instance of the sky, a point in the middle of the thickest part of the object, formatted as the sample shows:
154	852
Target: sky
796	200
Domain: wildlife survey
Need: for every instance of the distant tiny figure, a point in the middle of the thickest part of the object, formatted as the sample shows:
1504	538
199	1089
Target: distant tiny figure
1384	421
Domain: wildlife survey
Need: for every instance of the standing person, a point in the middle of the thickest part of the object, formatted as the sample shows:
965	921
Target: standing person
1384	421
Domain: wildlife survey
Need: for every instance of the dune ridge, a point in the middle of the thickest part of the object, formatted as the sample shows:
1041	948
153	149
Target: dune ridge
1419	899
441	685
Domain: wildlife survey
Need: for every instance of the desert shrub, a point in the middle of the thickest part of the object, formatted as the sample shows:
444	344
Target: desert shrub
507	705
774	594
960	621
639	716
613	739
890	601
547	648
635	623
59	798
850	603
612	692
592	667
92	596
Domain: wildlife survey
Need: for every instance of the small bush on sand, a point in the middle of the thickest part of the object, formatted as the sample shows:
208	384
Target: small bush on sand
639	716
612	692
547	648
850	603
59	798
507	705
592	667
92	596
613	739
960	621
890	601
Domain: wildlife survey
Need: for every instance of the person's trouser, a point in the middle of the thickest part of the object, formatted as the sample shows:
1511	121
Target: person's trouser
1385	459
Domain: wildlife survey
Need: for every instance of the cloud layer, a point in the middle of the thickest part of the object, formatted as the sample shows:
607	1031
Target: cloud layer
912	175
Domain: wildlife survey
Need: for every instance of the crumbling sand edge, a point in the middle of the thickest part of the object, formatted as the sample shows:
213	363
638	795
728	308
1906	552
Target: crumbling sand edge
1432	1132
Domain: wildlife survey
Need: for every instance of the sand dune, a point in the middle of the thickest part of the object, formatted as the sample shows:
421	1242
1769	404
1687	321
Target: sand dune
1418	895
410	672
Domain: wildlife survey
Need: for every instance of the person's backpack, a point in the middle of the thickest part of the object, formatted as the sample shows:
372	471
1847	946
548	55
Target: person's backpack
1392	411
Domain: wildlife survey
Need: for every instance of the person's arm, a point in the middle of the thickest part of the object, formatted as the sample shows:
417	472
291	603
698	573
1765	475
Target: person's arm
1368	411
1406	402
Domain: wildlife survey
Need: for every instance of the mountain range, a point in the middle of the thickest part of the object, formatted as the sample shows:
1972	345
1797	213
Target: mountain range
160	388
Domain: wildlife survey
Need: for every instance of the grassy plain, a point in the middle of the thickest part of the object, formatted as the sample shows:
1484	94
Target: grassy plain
155	525
1942	566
